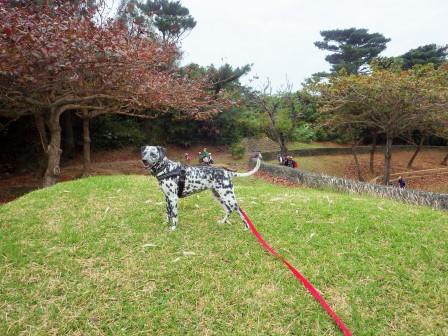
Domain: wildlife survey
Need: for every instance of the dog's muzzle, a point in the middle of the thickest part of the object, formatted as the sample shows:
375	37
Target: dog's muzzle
146	164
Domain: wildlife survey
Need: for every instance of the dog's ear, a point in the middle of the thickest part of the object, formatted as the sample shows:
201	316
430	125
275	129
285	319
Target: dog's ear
162	152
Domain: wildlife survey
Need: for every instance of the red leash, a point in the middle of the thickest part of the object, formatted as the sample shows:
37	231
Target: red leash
299	276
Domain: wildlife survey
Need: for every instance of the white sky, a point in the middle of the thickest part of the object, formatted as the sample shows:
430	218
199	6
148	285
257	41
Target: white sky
277	36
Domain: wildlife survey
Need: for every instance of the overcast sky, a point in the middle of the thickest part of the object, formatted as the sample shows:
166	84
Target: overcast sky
277	36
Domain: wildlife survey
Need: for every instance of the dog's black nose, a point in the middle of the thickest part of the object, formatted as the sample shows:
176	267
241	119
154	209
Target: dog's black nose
142	148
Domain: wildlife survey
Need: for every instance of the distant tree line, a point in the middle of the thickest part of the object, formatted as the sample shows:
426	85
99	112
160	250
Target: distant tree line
367	97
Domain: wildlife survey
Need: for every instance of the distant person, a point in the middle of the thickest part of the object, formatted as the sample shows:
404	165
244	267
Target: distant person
290	162
280	159
205	152
210	158
256	155
295	165
200	157
187	158
204	156
401	182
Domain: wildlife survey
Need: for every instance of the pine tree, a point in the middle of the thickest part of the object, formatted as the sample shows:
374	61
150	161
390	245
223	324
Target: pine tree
352	48
430	53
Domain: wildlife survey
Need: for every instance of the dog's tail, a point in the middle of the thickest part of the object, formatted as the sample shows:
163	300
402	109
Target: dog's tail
249	173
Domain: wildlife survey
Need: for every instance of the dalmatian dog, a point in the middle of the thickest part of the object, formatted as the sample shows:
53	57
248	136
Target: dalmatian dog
177	181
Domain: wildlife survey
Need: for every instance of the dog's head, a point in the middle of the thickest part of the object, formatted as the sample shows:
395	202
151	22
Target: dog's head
151	155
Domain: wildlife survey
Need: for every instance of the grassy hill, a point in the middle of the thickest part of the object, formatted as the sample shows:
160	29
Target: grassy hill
93	257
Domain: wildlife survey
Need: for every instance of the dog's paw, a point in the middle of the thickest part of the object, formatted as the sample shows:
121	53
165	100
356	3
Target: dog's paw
173	227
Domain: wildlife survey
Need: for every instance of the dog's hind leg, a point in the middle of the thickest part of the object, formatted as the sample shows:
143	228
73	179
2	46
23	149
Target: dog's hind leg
224	206
228	200
246	226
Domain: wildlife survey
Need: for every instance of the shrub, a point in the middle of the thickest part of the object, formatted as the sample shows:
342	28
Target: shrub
237	150
304	133
111	131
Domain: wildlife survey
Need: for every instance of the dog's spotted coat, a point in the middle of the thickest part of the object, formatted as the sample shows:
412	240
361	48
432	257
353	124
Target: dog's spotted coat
196	179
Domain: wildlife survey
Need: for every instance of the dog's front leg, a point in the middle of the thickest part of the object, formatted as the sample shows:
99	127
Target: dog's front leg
172	206
168	210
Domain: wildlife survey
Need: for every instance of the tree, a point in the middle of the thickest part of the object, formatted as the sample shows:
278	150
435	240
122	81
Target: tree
352	48
54	61
227	127
284	115
226	77
394	103
430	53
167	19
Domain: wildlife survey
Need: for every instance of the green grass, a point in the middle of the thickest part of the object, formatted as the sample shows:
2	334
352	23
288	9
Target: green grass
93	257
323	164
305	145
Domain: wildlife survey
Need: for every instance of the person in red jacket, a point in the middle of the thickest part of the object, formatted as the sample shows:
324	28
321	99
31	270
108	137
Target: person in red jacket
295	164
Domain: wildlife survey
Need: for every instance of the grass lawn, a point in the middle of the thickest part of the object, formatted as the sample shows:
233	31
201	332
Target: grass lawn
305	145
93	257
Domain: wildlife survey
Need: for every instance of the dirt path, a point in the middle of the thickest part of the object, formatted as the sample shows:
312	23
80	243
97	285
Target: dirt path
413	174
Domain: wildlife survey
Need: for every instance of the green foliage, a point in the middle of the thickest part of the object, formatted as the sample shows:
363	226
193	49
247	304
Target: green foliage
111	131
237	150
427	54
303	133
224	129
388	103
322	134
235	124
430	53
352	48
394	64
288	116
226	77
164	18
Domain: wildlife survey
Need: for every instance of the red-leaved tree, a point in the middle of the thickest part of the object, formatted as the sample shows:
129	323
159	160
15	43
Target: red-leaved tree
53	60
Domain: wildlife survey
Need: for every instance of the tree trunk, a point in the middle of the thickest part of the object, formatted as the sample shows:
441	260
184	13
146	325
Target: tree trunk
40	125
445	160
43	139
387	159
69	138
282	144
54	151
372	152
419	147
358	168
86	145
